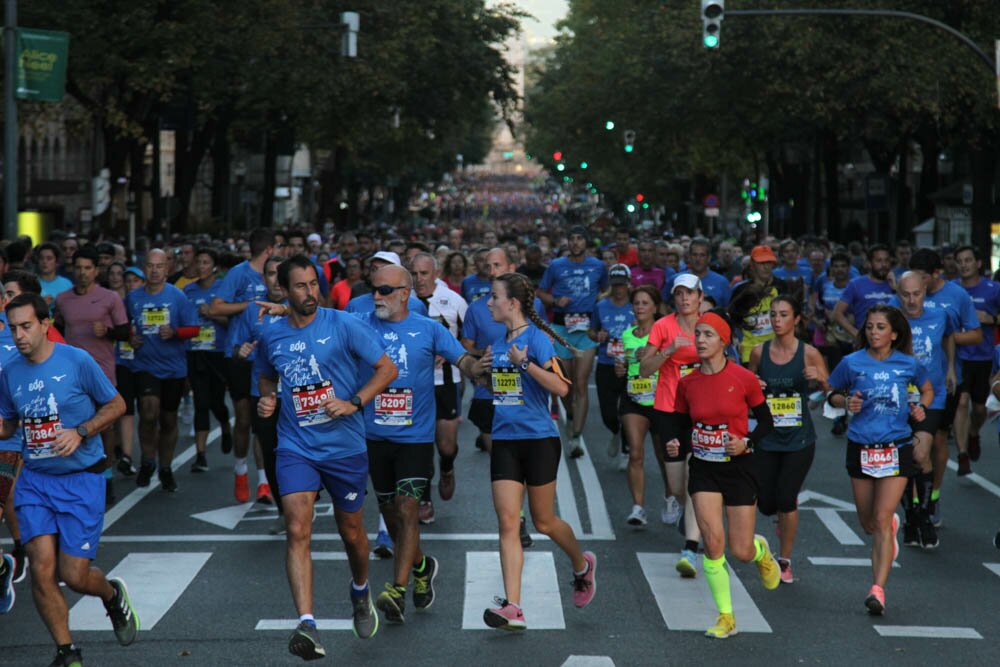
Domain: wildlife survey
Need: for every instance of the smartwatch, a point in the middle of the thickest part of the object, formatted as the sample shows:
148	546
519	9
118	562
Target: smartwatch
357	402
82	431
524	365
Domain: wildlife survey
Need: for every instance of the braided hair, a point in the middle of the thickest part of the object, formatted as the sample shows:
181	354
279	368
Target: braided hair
519	288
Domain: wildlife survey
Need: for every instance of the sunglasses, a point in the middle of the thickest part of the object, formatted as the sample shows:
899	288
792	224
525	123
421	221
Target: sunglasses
386	290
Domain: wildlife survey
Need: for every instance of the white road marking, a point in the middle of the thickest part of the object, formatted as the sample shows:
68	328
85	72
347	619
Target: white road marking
843	562
566	498
316	537
993	567
806	495
597	509
289	624
687	604
540	597
926	632
155	581
838	527
588	661
337	555
225	517
978	479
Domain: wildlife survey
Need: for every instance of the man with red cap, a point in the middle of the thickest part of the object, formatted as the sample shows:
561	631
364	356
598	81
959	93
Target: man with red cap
750	306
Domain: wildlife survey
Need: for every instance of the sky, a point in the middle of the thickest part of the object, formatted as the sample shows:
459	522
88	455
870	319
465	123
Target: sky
546	13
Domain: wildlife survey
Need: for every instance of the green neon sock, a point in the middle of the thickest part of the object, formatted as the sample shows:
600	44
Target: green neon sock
522	514
717	576
418	569
935	495
761	551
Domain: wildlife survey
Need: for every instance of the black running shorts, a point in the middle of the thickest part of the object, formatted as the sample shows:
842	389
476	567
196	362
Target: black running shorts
399	469
169	391
532	462
735	479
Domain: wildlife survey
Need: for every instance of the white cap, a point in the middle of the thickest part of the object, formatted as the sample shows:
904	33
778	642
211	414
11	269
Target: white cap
688	280
387	256
314	237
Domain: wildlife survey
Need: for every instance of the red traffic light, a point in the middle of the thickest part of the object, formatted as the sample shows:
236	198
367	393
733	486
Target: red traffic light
557	156
639	197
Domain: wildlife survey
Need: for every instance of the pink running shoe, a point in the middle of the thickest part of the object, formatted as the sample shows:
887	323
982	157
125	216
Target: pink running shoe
875	601
506	616
895	537
786	571
585	585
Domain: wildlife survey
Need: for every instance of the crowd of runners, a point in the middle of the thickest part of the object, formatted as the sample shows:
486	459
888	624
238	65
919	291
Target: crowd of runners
346	357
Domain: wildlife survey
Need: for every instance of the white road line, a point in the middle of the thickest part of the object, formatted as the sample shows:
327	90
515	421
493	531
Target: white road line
566	498
316	537
926	632
806	495
841	531
540	596
588	661
843	562
155	581
600	521
337	555
978	479
687	604
993	567
289	624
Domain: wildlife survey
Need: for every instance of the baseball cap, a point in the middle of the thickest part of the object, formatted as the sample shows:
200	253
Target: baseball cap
136	271
689	280
314	238
387	256
763	253
619	273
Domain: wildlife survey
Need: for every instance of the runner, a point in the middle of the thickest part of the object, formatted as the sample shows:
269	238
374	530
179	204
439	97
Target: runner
365	303
476	285
836	342
12	565
786	366
611	317
314	359
671	353
400	427
125	381
526	447
872	385
750	306
864	292
162	321
63	400
713	285
722	483
569	288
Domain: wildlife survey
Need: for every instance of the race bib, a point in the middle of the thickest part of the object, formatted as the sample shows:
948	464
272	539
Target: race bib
615	348
125	350
641	390
507	388
708	442
308	402
687	369
761	324
912	393
40	435
879	462
786	410
577	322
205	340
153	319
394	407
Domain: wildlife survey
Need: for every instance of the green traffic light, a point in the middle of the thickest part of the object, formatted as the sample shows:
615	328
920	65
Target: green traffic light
584	165
711	41
610	125
629	148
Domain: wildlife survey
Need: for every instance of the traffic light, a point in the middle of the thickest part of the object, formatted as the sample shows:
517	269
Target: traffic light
584	165
629	141
557	156
711	17
609	125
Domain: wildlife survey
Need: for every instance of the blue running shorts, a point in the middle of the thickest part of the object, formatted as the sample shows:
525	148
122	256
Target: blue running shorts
70	506
344	479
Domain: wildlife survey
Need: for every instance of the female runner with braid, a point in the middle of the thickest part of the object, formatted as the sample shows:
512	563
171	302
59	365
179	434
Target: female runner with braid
526	447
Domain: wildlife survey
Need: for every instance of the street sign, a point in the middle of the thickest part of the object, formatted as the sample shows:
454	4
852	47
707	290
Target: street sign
711	212
710	201
41	64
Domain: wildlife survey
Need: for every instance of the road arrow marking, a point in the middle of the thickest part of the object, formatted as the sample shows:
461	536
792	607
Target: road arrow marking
225	517
806	495
838	527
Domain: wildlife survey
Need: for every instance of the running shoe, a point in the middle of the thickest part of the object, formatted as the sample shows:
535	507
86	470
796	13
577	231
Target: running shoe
963	465
614	445
770	573
911	534
226	443
623	462
934	512
304	642
423	584
264	496
875	601
685	564
7	594
145	474
365	618
392	602
575	446
426	512
928	534
278	526
585	585
21	567
786	571
446	485
506	616
71	657
725	626
123	617
200	463
383	545
241	488
895	536
637	517
167	481
975	448
526	541
671	512
125	466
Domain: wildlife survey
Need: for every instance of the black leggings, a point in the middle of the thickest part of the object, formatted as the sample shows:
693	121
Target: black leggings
610	389
266	430
207	373
780	476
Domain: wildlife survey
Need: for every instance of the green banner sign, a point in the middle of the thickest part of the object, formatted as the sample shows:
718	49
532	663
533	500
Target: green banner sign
41	64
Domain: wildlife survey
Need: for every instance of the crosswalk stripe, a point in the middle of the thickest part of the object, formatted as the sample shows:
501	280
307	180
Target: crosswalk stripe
566	498
155	581
289	624
926	632
687	604
588	661
843	562
540	597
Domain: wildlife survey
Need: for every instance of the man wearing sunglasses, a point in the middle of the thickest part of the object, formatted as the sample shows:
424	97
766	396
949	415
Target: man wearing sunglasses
365	303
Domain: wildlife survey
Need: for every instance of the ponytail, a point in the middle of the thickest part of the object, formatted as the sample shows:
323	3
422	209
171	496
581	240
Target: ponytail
519	288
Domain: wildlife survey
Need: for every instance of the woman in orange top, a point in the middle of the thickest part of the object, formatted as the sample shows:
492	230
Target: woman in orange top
670	350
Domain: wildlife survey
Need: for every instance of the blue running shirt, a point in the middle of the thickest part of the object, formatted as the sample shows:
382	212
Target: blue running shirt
615	320
211	335
366	304
884	411
863	293
581	282
165	359
929	331
60	393
8	353
475	288
985	296
325	359
521	405
480	327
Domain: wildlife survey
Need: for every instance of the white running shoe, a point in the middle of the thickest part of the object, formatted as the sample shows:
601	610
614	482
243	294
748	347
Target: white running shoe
672	509
637	517
622	462
614	445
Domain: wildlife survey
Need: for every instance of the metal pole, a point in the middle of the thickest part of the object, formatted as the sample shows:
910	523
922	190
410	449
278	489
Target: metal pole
10	120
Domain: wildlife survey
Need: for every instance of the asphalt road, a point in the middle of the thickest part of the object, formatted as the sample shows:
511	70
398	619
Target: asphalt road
209	584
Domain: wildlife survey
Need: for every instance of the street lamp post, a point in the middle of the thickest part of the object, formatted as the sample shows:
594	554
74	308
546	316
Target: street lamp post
10	120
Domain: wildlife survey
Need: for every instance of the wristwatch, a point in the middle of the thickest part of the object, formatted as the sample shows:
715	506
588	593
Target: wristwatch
748	443
524	365
357	402
82	431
